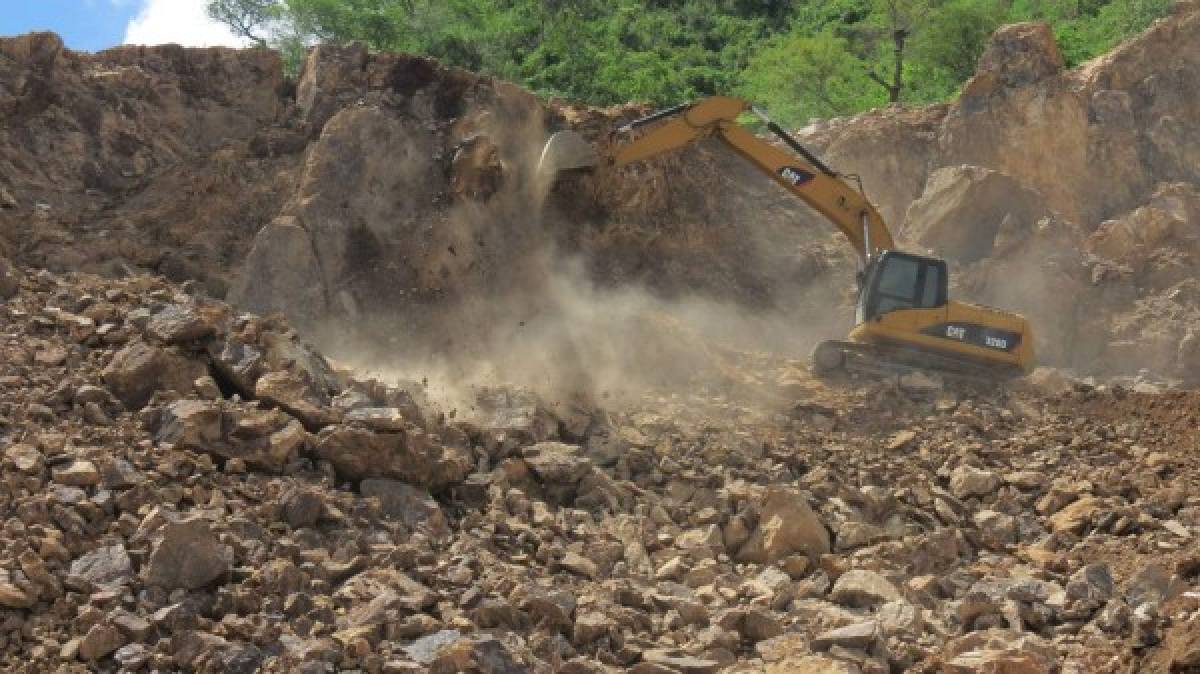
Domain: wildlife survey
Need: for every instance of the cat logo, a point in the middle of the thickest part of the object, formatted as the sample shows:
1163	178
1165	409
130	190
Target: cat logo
795	176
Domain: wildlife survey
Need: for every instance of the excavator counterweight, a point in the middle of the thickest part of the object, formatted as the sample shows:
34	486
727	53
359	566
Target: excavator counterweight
904	317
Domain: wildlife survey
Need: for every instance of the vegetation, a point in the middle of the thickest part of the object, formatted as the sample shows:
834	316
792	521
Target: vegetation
799	58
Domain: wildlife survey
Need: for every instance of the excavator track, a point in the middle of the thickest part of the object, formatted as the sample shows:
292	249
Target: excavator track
834	357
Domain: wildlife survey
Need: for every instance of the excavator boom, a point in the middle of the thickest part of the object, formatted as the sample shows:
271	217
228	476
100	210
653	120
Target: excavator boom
800	172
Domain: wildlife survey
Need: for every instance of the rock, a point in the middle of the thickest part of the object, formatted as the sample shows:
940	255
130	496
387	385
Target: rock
900	617
297	398
77	473
409	504
371	583
104	567
862	635
26	459
811	664
518	413
759	625
998	207
900	440
383	419
285	444
591	626
12	596
787	525
1093	583
1075	516
554	610
179	324
238	363
132	656
986	661
208	388
188	647
10	280
919	382
862	588
796	566
557	463
412	456
425	649
1150	585
302	508
99	641
1017	55
678	662
192	424
580	565
996	530
188	557
131	625
138	370
282	273
967	481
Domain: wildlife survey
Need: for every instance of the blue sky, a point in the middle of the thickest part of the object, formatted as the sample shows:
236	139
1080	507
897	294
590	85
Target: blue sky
91	25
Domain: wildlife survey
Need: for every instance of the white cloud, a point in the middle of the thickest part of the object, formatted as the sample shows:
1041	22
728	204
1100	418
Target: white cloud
183	22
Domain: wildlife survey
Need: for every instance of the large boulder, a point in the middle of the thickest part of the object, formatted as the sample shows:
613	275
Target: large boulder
966	210
281	273
1018	55
411	456
140	369
787	525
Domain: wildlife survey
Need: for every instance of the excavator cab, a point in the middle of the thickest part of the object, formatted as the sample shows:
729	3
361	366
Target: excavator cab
895	281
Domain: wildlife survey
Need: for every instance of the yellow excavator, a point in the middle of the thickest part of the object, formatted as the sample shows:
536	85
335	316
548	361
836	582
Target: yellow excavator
904	317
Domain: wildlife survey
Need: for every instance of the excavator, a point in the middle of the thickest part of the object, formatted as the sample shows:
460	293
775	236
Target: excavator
904	318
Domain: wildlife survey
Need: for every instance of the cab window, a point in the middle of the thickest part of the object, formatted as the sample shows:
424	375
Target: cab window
908	282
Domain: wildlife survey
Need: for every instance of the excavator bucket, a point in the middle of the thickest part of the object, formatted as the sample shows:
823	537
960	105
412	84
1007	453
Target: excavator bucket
564	151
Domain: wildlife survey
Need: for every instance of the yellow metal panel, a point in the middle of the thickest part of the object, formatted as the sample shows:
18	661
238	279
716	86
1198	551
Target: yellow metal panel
904	327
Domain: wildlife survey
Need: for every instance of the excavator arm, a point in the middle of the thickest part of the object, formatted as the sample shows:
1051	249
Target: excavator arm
801	173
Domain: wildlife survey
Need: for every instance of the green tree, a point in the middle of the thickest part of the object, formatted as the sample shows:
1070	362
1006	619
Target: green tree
251	19
804	58
955	37
801	77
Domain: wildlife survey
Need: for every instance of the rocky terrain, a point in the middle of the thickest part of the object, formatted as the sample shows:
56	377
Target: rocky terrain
189	485
186	487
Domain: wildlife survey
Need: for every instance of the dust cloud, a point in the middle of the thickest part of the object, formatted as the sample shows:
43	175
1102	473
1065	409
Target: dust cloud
518	308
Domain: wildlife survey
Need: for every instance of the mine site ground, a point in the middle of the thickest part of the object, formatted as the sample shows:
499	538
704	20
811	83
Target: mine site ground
318	375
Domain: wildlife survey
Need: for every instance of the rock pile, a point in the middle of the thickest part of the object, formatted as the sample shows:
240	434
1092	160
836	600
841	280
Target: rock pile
192	488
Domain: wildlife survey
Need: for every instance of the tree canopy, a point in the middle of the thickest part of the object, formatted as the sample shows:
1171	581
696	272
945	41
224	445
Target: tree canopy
799	58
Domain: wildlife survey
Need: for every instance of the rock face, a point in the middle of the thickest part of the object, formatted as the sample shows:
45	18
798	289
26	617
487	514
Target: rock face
286	273
1018	55
967	212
